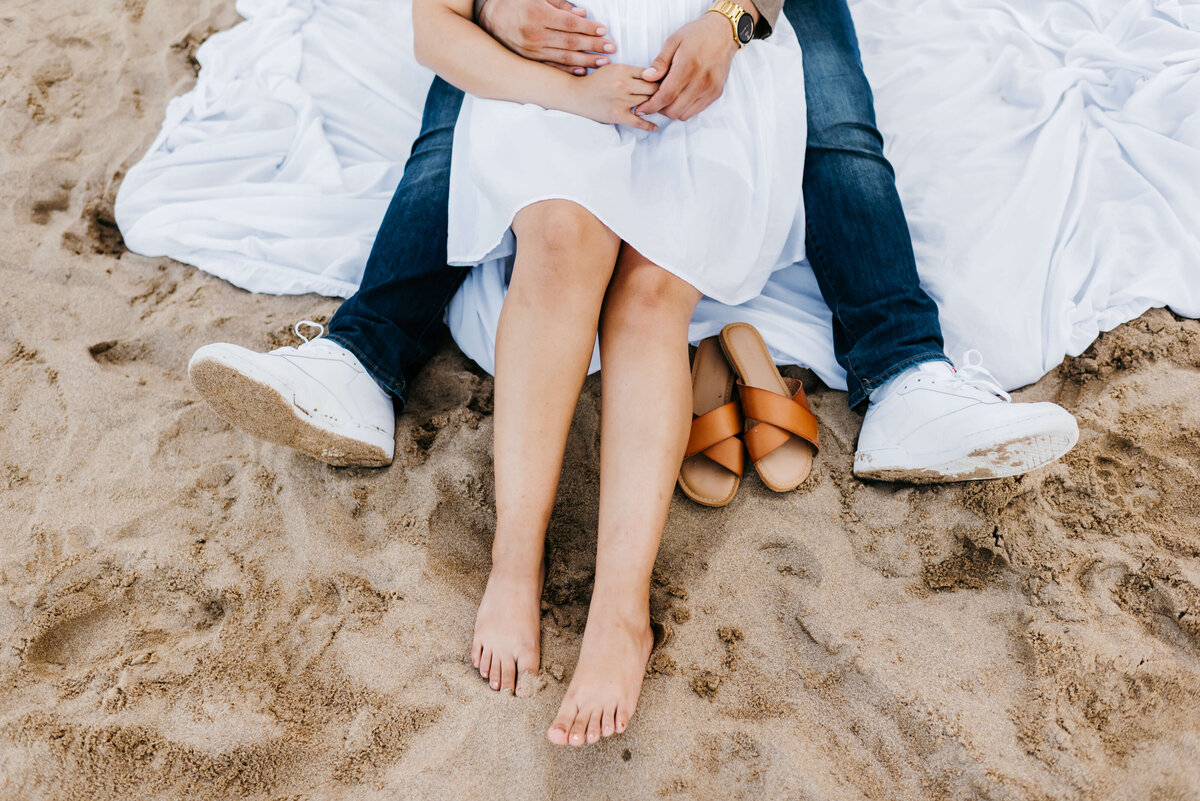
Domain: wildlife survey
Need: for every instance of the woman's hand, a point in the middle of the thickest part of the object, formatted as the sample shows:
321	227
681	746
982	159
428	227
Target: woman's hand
448	42
609	95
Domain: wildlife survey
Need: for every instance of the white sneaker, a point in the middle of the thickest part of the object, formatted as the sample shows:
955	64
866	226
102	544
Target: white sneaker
317	399
934	423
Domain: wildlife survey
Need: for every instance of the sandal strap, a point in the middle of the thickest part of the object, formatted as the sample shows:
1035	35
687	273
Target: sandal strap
716	435
730	454
708	429
779	418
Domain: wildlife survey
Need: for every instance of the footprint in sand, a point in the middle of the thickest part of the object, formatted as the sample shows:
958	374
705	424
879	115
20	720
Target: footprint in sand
49	192
96	614
794	560
1163	600
116	352
68	641
78	621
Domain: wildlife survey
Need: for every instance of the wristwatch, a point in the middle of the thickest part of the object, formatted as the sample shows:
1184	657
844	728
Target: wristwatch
743	23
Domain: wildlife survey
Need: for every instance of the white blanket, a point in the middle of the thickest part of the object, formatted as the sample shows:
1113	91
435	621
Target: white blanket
1047	152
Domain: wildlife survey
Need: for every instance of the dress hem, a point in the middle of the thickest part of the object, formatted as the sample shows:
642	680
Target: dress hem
490	253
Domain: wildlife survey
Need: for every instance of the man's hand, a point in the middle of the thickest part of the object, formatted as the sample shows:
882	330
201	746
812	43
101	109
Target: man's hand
695	62
552	31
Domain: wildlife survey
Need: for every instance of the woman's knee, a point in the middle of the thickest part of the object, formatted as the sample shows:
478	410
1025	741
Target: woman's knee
644	293
562	247
558	226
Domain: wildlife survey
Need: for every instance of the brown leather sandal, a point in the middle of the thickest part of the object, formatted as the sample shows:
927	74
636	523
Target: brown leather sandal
781	431
715	458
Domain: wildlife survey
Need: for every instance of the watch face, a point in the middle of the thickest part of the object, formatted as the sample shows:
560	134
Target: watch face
745	28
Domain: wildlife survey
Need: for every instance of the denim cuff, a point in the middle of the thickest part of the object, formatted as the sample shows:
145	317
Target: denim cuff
861	388
394	385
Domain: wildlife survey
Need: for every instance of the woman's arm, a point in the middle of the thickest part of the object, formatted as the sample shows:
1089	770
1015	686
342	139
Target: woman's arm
452	45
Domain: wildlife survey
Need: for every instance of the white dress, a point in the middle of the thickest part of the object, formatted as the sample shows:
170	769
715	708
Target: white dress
715	200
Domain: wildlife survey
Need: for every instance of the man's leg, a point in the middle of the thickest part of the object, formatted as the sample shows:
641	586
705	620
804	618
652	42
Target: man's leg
392	324
926	421
857	236
332	398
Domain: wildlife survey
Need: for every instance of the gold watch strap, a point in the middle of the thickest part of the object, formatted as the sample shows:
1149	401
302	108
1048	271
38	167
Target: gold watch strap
733	12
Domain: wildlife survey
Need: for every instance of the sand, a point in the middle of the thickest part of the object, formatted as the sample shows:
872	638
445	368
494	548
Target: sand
188	613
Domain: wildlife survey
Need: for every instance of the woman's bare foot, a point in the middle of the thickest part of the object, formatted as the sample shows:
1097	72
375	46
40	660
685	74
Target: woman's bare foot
608	678
508	630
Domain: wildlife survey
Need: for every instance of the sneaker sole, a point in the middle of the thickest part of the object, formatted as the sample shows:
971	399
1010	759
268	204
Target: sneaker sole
262	411
1009	458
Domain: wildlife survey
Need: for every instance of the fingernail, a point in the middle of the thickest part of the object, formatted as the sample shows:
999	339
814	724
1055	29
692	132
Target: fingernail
580	71
601	31
600	62
610	48
650	73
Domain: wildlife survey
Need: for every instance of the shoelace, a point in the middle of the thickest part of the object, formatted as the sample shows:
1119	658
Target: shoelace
973	372
310	324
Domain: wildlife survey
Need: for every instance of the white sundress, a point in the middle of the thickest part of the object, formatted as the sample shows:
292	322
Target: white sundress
715	200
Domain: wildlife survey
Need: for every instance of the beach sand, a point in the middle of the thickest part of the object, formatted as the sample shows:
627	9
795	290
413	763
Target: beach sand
186	612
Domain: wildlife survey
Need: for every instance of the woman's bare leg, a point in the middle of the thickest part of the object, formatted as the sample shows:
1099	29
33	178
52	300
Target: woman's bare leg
547	330
647	403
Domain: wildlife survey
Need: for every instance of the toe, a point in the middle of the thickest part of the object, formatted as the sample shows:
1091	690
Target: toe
578	734
560	728
593	727
529	660
485	661
621	720
495	672
476	653
508	674
607	727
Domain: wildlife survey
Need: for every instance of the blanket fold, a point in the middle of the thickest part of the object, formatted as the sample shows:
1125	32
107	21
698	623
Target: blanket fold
1047	153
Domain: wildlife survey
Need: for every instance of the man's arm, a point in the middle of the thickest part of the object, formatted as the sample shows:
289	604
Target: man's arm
552	31
769	11
694	63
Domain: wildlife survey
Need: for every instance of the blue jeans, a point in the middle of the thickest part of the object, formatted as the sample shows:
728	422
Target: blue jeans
858	240
394	321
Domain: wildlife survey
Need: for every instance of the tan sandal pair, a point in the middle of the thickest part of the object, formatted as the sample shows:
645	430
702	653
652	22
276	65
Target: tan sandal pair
769	418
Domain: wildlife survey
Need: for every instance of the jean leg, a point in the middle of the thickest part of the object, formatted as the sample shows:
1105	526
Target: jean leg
857	237
393	322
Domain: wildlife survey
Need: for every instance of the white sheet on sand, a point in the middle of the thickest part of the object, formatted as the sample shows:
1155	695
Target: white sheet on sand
1047	151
